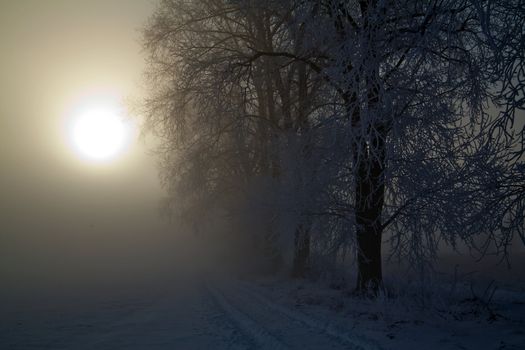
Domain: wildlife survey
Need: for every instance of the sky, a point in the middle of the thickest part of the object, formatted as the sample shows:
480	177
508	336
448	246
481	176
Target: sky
57	209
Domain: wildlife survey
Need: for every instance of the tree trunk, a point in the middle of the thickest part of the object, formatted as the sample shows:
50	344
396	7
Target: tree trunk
370	193
301	252
302	232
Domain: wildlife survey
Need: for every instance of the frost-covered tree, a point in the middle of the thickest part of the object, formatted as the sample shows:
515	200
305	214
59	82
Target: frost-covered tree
224	114
424	85
373	119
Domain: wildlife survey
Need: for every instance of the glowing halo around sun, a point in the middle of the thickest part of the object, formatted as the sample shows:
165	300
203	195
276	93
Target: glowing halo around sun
99	132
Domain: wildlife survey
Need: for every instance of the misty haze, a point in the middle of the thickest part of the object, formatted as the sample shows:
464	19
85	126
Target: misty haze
273	174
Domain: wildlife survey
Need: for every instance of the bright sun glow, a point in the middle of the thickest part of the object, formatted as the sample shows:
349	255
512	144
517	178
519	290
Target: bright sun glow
99	132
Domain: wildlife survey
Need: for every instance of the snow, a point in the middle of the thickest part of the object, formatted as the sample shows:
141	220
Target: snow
401	322
257	314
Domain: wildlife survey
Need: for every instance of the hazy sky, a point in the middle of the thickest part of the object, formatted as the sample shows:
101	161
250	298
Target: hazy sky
52	203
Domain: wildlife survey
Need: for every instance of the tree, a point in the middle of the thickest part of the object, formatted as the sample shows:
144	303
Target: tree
419	82
223	113
379	118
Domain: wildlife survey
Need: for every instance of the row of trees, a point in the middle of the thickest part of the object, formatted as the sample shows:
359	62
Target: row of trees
325	126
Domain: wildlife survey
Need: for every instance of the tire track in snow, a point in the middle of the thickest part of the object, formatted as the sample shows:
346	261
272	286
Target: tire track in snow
272	328
248	326
353	341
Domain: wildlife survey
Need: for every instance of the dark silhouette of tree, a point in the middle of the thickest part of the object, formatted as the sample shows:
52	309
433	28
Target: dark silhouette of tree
373	119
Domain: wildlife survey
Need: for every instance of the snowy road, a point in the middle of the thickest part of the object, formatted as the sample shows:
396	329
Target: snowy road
268	325
233	315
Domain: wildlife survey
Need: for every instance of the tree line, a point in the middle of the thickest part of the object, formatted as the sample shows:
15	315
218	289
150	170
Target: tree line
322	129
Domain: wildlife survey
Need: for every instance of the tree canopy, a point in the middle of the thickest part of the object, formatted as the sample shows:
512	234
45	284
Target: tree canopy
319	128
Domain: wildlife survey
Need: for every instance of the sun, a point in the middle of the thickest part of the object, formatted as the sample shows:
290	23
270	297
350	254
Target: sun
99	132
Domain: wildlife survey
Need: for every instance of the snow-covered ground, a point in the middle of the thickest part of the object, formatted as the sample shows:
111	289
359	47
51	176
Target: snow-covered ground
469	318
190	313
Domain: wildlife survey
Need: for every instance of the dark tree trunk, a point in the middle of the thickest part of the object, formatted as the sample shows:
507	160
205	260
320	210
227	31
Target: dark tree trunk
301	252
370	193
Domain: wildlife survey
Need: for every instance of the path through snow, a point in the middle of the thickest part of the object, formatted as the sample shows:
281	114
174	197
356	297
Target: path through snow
218	315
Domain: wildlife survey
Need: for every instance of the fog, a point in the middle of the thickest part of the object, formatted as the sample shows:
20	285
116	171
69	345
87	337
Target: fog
274	149
67	224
